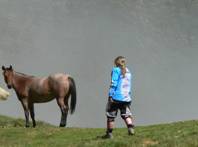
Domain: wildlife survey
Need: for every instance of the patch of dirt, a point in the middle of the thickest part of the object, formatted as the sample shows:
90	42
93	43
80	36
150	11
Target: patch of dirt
147	142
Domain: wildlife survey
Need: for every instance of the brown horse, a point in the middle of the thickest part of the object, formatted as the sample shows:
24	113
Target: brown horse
30	90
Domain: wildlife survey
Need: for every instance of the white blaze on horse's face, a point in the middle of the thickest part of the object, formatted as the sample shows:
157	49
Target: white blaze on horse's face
8	75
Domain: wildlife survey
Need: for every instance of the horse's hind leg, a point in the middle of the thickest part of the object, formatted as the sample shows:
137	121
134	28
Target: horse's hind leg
67	107
64	110
31	107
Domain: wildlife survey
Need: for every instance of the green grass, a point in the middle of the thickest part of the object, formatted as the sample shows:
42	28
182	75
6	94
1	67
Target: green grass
179	134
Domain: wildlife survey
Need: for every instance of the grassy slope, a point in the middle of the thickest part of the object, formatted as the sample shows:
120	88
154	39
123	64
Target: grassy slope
12	133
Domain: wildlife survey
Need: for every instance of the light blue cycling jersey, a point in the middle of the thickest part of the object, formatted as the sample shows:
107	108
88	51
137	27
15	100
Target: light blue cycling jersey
120	89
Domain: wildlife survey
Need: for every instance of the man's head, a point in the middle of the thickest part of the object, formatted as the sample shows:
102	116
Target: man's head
120	61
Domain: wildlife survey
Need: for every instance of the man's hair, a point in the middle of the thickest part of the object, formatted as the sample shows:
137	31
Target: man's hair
120	61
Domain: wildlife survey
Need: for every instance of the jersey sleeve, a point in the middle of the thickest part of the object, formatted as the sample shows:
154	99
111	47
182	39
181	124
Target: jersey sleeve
114	81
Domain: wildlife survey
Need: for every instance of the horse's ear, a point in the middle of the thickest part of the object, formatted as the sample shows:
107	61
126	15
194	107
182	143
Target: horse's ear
3	67
10	67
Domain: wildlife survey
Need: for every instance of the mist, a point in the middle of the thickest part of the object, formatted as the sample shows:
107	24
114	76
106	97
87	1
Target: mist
82	38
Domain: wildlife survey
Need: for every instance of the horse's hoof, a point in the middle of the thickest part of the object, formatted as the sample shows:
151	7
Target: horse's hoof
62	125
34	125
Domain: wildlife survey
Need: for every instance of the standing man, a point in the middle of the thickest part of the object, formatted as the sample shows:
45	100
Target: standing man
119	97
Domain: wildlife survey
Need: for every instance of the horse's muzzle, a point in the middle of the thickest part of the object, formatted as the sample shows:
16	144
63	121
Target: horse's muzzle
9	86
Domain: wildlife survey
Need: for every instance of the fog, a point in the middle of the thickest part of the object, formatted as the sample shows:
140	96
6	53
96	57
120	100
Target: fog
82	38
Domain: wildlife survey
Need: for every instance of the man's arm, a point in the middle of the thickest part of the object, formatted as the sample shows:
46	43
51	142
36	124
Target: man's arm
114	81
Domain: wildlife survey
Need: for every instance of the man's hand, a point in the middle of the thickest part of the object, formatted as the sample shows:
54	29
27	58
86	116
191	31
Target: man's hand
110	99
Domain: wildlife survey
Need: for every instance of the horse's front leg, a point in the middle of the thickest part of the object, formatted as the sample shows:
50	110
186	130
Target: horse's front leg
24	103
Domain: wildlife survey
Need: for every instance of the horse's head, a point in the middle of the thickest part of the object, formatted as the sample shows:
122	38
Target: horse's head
8	75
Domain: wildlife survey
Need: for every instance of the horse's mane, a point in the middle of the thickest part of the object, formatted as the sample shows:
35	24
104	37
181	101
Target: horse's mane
24	74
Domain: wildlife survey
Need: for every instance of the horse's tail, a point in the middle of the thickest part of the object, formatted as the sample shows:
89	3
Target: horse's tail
72	88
